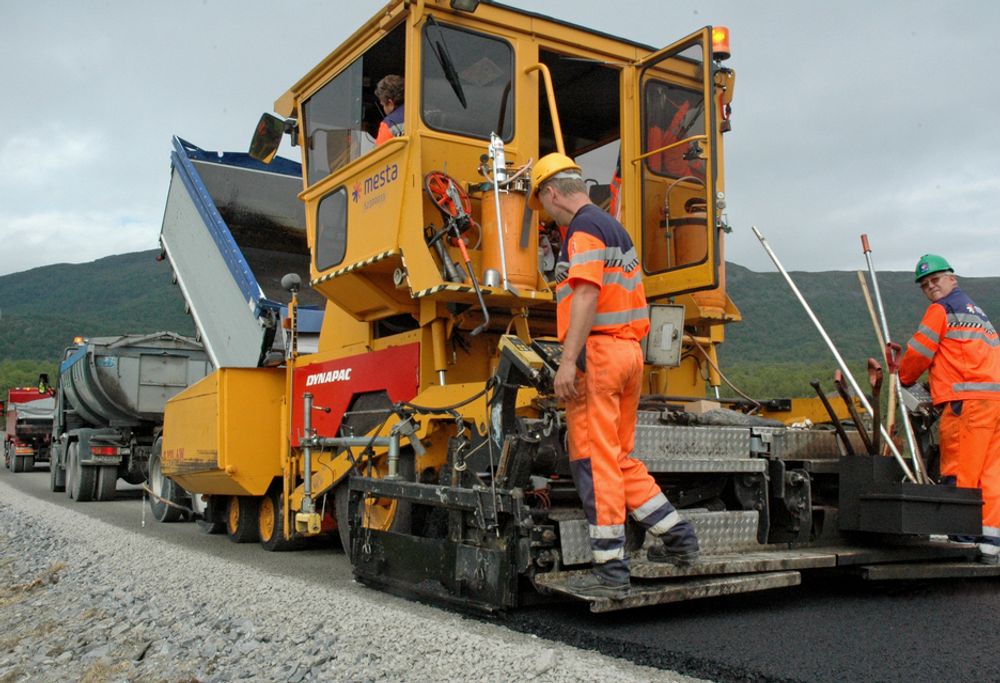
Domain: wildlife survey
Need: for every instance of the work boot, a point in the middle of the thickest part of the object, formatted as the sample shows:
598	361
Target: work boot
595	585
678	547
988	554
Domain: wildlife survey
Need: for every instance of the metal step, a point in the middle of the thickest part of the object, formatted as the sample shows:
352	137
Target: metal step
928	570
718	532
735	563
686	465
643	594
674	441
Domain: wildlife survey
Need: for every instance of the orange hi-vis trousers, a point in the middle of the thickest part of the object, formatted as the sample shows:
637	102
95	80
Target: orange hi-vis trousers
610	481
970	452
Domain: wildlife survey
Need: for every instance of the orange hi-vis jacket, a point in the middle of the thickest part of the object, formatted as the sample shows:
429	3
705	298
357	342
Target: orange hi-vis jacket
960	346
598	250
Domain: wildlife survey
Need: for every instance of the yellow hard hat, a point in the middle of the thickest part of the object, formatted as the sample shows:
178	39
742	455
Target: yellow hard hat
548	167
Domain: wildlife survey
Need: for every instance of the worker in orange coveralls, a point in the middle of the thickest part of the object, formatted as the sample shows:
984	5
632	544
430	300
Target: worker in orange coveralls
601	315
389	93
960	346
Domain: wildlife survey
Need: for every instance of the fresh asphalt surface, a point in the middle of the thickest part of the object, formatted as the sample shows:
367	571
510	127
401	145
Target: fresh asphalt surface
822	631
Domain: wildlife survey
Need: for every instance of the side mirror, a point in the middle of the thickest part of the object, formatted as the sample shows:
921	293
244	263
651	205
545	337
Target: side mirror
267	137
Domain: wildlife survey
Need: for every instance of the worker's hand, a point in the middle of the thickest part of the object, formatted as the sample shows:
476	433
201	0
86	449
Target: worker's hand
892	354
565	382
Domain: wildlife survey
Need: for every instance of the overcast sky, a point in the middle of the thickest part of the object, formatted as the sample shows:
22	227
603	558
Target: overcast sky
848	117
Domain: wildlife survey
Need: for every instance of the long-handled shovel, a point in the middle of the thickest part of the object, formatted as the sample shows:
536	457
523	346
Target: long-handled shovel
833	349
918	462
875	379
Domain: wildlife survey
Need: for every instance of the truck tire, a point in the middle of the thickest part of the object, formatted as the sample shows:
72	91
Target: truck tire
17	464
28	464
57	475
163	489
6	455
82	480
242	519
107	482
272	523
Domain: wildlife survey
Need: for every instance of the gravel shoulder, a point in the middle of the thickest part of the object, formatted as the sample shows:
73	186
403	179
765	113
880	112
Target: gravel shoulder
83	600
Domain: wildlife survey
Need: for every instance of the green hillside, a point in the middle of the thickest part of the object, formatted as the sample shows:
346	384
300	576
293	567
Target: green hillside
42	309
775	351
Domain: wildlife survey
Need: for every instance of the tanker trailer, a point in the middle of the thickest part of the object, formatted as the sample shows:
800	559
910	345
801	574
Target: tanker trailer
109	408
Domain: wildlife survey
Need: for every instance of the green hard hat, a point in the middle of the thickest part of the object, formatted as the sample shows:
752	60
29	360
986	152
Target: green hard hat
929	264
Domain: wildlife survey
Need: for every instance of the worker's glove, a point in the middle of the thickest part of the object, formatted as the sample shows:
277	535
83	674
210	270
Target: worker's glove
893	351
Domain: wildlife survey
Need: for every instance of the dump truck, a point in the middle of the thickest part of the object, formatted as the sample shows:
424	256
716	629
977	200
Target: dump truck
28	429
423	426
109	405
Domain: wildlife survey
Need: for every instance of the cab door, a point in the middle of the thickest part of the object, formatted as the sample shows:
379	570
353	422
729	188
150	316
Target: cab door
670	167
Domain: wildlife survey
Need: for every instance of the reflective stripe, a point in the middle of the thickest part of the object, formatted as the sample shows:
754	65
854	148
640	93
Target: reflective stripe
621	317
611	531
563	292
976	386
608	555
988	548
627	282
929	333
991	531
973	334
967	319
649	507
665	524
920	348
589	256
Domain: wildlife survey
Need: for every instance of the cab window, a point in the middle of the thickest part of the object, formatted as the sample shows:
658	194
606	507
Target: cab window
341	119
466	82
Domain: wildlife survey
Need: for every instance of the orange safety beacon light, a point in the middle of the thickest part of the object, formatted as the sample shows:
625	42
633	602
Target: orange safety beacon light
720	43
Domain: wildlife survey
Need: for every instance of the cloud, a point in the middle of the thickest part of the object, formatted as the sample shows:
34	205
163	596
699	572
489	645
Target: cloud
33	157
42	238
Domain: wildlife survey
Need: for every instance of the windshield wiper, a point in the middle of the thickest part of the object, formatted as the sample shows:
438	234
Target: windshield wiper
440	49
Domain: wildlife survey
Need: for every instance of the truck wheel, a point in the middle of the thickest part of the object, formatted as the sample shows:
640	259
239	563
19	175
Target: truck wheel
84	479
17	464
57	475
29	463
242	519
70	455
163	489
6	455
272	523
107	482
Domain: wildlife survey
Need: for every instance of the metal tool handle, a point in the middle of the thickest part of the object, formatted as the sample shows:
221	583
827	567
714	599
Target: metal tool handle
911	441
836	354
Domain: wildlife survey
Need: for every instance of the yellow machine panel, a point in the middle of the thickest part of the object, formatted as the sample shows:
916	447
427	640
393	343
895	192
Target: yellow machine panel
239	451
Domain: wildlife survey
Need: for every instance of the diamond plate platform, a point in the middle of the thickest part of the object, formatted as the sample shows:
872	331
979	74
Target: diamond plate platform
716	443
718	532
736	563
644	594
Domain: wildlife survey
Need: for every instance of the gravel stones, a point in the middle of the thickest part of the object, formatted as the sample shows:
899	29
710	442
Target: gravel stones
82	600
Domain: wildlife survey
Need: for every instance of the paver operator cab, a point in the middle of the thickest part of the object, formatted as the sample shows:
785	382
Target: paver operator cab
423	427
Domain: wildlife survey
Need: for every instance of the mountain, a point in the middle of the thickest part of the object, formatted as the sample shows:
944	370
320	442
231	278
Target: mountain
774	351
776	328
42	309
